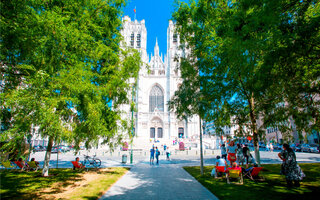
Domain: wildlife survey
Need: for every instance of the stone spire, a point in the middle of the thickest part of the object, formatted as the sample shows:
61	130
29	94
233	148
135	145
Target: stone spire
156	48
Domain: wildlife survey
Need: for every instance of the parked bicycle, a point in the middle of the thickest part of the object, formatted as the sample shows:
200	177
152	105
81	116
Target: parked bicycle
95	162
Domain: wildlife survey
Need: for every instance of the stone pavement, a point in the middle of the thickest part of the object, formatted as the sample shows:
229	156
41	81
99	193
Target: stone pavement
165	181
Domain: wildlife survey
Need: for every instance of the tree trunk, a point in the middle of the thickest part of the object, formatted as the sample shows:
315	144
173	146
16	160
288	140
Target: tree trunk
255	131
294	130
45	171
201	154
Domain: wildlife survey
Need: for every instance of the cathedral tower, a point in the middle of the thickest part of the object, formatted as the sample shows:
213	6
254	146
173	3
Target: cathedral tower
157	82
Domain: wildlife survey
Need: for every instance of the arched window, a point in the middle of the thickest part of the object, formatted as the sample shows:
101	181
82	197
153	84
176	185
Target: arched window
160	133
152	132
132	40
156	99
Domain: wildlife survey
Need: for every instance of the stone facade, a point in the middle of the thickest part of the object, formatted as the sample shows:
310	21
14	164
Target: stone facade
157	82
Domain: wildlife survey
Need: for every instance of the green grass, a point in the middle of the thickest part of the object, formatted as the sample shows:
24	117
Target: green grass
274	187
31	185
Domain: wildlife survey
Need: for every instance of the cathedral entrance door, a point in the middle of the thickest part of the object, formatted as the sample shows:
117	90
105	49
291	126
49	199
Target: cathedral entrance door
152	132
160	133
181	133
156	128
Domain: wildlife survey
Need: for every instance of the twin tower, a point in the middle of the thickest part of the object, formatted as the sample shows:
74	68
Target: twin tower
158	80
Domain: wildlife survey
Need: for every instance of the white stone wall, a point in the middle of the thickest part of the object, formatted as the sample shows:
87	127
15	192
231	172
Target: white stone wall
162	72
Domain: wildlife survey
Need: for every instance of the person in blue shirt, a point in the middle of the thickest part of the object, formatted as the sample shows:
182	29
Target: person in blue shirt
152	151
157	155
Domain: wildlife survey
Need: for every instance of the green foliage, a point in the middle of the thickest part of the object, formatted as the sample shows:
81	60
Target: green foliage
247	58
62	63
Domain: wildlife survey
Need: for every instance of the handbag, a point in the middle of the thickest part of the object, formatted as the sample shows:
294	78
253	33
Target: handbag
232	156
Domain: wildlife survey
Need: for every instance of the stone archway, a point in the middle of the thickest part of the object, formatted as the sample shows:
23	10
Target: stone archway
156	128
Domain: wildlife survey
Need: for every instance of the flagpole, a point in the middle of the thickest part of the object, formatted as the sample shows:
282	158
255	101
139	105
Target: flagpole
135	13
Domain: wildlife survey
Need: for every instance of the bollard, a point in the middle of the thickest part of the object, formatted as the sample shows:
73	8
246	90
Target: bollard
124	159
187	152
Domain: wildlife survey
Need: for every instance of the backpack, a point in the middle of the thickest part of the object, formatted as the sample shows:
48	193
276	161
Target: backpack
246	151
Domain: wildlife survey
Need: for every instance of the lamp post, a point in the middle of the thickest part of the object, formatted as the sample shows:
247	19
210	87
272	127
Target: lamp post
201	154
29	141
131	153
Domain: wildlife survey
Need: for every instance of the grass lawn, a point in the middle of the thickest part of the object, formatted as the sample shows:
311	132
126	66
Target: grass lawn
61	184
274	186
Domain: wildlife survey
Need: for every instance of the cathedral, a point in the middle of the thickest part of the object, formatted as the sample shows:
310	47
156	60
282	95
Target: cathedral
158	80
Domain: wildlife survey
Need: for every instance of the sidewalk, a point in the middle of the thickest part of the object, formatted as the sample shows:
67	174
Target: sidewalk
163	182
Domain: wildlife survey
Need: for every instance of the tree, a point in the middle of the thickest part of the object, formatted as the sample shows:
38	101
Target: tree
295	65
63	64
226	56
187	100
244	52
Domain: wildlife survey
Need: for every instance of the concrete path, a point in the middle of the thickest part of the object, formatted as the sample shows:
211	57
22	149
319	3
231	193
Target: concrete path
163	182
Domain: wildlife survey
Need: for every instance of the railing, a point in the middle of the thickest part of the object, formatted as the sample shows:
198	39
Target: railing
140	152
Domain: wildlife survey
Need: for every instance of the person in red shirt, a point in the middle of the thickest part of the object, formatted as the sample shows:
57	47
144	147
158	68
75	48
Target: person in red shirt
234	166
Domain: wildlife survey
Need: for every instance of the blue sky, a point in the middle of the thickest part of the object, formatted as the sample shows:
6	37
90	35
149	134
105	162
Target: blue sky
156	13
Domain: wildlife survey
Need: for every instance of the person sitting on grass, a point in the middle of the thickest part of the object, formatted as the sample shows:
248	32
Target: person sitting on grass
33	165
249	169
234	166
21	164
80	164
221	162
33	160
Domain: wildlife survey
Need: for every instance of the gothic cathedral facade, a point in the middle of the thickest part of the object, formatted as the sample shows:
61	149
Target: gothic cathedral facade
158	80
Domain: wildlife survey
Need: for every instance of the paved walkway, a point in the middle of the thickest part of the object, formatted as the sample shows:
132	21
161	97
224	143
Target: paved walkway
163	182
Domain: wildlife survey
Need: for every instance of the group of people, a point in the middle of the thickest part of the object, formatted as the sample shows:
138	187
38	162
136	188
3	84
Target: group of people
155	152
240	154
269	147
32	165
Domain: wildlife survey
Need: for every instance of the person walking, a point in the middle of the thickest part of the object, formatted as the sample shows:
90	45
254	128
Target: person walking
168	153
290	167
157	155
271	147
152	151
246	154
223	151
240	157
232	151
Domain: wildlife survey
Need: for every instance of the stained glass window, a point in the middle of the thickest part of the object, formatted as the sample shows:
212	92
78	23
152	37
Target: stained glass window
156	99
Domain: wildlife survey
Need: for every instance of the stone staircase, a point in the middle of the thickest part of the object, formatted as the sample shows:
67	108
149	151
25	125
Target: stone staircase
146	143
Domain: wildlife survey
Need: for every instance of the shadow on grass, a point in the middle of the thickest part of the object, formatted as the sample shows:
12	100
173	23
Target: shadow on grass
26	185
90	197
274	187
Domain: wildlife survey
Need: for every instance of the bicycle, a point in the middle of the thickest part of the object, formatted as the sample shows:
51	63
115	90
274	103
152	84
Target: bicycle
96	162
